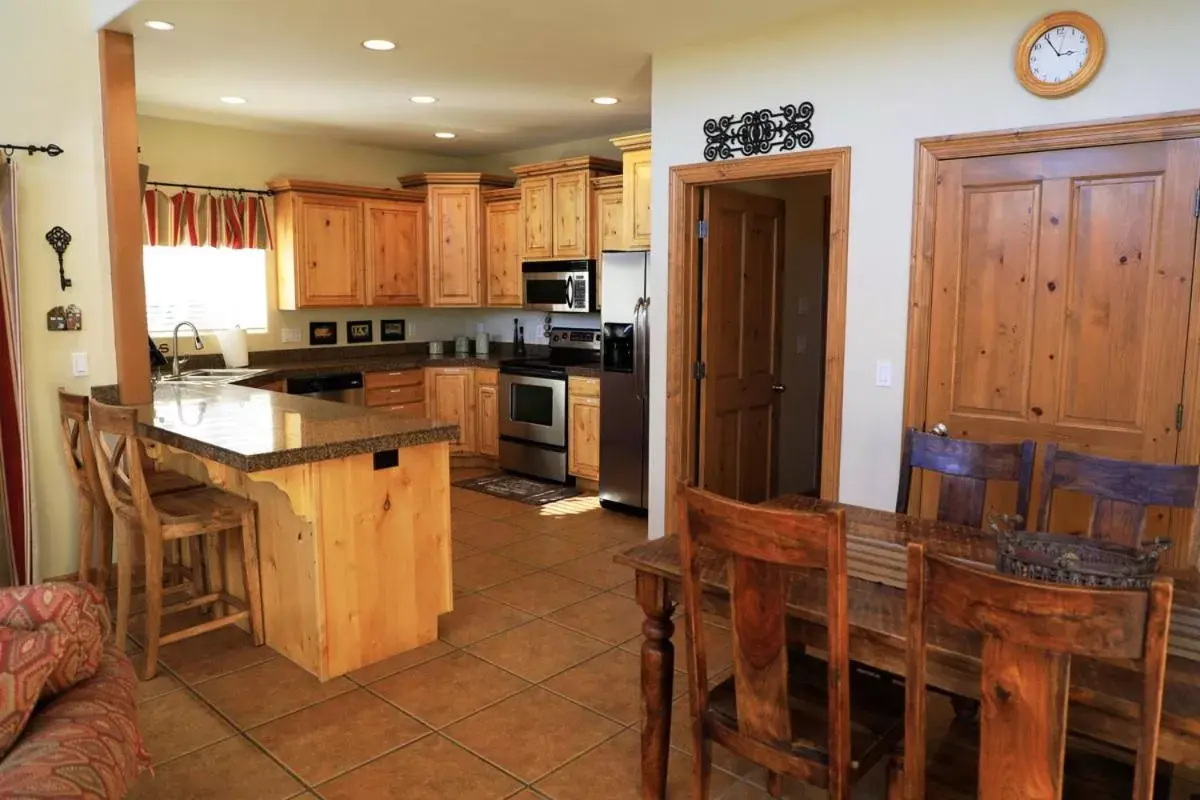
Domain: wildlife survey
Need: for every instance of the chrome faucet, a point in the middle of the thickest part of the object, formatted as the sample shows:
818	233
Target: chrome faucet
175	361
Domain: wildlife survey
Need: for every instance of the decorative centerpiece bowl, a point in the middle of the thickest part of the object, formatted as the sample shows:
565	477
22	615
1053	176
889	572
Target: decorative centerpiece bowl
1072	560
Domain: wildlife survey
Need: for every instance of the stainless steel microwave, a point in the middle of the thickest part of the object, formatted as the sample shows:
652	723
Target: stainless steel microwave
560	285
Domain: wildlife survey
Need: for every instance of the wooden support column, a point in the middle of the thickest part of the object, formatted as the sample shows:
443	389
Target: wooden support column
118	98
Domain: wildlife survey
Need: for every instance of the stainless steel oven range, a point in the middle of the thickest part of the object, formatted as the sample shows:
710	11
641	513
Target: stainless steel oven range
533	404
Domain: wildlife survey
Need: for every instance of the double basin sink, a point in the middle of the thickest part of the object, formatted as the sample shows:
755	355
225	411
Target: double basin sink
209	377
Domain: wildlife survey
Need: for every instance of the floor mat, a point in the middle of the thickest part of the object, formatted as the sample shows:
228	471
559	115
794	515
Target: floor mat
516	487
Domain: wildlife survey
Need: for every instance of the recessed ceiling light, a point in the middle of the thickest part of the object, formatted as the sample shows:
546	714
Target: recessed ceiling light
379	44
605	101
159	25
234	101
445	135
423	99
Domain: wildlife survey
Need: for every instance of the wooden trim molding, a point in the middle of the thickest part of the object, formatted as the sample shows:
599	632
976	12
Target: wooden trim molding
608	182
632	142
593	163
344	190
683	349
420	180
501	195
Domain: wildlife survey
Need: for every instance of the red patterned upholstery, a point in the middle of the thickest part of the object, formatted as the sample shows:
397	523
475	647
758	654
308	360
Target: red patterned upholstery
26	660
83	744
78	611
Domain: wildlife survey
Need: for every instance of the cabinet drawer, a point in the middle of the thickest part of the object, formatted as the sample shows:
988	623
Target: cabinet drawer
394	395
486	377
583	387
411	410
406	377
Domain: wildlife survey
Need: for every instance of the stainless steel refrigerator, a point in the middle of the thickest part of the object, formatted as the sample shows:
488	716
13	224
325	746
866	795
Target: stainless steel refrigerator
624	380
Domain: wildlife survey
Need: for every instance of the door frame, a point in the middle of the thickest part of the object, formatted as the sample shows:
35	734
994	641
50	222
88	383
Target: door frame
931	151
686	180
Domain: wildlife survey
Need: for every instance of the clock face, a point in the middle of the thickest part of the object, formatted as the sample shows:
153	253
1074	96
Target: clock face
1059	54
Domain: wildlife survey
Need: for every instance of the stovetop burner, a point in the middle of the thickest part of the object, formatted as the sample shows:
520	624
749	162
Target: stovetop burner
569	347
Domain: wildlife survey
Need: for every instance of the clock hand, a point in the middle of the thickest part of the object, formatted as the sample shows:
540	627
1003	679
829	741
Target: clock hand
1046	36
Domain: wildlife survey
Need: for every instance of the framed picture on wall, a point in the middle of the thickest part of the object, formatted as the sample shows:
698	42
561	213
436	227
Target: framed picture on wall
360	332
322	333
391	330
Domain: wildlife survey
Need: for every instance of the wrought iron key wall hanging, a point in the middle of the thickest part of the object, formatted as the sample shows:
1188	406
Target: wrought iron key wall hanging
60	240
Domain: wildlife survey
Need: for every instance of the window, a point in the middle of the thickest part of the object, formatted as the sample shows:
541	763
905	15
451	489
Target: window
213	288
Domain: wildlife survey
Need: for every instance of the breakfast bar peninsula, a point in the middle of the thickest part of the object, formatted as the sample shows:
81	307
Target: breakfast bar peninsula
353	514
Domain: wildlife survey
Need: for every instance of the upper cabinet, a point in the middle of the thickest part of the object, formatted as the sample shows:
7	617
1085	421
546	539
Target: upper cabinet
502	248
635	160
556	207
339	245
455	204
609	210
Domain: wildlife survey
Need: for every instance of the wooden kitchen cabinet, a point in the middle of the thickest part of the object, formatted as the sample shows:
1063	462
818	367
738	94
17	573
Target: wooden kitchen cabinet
635	159
450	397
400	391
396	242
502	248
329	251
537	218
608	202
570	193
583	427
556	207
487	411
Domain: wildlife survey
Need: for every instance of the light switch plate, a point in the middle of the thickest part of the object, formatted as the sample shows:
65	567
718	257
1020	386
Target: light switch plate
883	373
289	335
79	364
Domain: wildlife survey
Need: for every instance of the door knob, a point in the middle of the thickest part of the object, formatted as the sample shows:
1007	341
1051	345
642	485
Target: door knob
778	387
940	429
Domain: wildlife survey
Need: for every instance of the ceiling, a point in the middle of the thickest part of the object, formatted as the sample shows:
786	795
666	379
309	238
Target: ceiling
508	75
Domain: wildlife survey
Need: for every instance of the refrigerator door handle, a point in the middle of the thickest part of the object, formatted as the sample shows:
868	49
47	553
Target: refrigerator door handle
638	310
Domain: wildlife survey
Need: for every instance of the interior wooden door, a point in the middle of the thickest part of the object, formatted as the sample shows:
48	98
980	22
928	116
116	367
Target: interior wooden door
1061	293
396	235
742	277
454	250
571	214
330	234
503	269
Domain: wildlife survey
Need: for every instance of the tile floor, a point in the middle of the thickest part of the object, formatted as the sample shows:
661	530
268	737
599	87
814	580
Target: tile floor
531	691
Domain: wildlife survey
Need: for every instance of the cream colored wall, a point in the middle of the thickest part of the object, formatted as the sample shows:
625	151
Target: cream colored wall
52	94
596	146
882	74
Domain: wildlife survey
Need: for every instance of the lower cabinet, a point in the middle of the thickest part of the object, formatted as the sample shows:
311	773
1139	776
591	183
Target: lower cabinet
465	396
450	397
487	411
401	392
583	428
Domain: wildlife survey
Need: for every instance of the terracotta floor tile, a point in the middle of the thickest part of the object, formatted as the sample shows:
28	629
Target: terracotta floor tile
718	643
266	691
544	551
160	684
595	537
537	650
498	507
230	770
541	592
610	683
527	794
212	654
613	772
532	733
597	569
628	589
178	723
464	498
390	666
460	550
558	519
608	616
476	617
336	735
681	739
488	534
430	769
447	689
487	569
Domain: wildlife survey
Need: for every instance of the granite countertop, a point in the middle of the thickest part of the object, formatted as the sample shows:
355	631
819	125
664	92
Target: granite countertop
253	430
277	372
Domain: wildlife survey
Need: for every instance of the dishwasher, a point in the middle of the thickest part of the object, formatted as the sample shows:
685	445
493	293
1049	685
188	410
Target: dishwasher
341	387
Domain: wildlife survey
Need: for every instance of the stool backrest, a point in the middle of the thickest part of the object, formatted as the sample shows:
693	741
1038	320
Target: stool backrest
121	465
77	445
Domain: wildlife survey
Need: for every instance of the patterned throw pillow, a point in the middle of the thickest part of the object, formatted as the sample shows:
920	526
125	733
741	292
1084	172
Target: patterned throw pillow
77	611
26	660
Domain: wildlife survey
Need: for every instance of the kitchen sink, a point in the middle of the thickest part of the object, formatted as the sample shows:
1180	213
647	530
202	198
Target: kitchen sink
211	376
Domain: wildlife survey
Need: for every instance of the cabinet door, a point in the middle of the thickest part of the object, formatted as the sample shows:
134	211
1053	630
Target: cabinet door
637	199
396	237
610	209
329	251
583	437
487	407
451	398
570	214
454	250
503	271
537	219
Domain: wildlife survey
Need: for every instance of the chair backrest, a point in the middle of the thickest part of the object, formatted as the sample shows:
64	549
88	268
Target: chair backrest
1030	631
1120	490
121	466
763	547
965	467
77	444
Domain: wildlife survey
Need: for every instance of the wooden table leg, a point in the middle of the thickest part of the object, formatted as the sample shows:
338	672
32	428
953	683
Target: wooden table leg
658	676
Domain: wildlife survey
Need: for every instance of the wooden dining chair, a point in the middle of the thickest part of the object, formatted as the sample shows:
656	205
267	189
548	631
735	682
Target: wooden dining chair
965	467
93	509
1121	491
204	512
1030	631
783	709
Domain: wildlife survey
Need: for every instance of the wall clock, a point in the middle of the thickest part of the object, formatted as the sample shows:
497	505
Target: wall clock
1060	54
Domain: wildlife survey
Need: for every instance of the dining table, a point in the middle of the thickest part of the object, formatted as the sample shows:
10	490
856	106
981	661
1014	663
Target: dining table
1105	697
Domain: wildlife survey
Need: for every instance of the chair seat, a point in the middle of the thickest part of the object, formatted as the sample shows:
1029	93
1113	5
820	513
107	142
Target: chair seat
876	711
167	481
202	510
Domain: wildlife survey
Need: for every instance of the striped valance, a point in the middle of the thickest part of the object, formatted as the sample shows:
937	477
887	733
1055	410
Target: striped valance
201	219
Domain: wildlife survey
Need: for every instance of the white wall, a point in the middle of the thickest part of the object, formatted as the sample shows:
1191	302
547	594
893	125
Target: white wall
881	75
596	146
49	50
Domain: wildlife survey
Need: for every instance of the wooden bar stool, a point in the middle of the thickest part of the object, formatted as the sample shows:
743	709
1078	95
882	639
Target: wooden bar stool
204	512
94	512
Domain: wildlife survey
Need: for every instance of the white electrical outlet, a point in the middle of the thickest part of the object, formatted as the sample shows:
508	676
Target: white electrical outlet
79	364
289	335
883	373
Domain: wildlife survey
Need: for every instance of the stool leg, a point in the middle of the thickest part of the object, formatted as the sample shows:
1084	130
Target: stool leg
124	581
106	545
196	564
87	523
250	566
214	570
154	598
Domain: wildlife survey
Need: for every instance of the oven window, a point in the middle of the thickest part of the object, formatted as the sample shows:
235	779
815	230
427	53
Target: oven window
545	292
532	404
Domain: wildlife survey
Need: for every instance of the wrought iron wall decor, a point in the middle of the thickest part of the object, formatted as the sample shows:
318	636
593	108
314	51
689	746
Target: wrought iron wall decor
757	133
9	150
60	240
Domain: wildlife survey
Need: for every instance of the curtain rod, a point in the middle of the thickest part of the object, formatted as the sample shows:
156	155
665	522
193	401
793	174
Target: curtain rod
51	150
231	189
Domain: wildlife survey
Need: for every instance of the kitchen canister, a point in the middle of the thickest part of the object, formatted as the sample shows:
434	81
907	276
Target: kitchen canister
234	349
